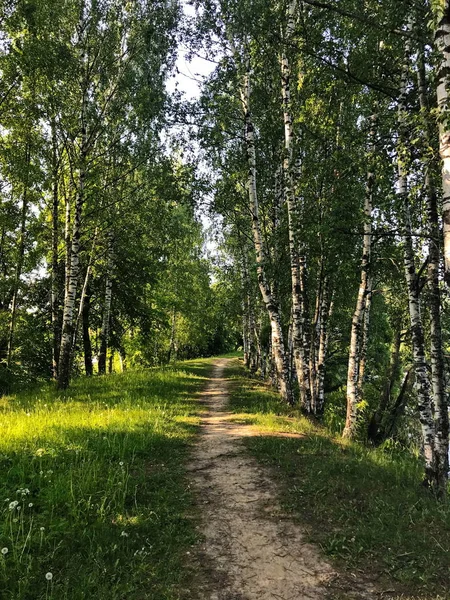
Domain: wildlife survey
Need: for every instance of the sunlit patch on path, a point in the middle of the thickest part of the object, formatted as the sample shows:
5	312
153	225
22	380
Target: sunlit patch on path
251	550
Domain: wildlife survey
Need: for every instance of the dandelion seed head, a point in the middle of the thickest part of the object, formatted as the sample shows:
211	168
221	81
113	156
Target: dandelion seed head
49	576
5	551
121	463
30	505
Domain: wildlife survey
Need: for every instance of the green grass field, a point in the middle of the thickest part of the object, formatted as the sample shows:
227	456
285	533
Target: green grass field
364	507
94	502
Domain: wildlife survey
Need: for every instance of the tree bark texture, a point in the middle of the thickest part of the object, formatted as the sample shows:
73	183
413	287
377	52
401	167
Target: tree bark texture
356	334
278	347
417	334
104	334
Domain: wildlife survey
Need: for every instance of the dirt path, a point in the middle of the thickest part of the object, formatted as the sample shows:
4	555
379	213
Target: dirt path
250	550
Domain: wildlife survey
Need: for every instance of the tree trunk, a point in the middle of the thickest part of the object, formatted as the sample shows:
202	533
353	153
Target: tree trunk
354	359
326	313
298	321
20	259
388	430
373	431
72	268
272	308
442	44
87	346
365	335
104	334
436	354
55	274
173	337
420	365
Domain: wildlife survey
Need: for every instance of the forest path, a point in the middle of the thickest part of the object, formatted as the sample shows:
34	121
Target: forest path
250	549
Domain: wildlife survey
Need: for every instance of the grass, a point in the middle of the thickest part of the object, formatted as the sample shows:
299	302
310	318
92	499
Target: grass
94	502
364	507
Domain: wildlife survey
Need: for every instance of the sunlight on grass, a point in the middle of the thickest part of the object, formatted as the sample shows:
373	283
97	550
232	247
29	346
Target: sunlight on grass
366	508
93	488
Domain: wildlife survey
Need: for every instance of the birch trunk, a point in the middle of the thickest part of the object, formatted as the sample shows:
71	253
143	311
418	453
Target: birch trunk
55	275
245	333
70	293
87	346
326	313
354	359
373	431
305	332
391	425
297	289
442	44
436	354
20	259
278	348
72	266
173	337
104	334
365	335
84	292
420	365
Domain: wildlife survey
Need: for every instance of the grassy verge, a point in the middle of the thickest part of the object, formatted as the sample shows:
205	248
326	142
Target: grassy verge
93	497
364	507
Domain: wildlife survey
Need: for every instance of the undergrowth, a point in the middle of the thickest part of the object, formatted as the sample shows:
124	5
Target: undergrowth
365	507
93	497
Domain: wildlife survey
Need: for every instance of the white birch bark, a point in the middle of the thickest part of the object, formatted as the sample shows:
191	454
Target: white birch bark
72	260
104	334
420	365
55	279
365	335
270	303
353	388
436	354
326	310
442	44
298	324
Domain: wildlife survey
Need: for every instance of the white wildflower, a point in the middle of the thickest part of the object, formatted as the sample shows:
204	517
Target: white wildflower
13	504
5	551
49	576
124	534
121	463
30	505
42	528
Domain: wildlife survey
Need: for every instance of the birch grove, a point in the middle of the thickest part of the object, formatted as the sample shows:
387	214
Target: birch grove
355	156
294	208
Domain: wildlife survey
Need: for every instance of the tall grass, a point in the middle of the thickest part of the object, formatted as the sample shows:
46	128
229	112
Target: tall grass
94	502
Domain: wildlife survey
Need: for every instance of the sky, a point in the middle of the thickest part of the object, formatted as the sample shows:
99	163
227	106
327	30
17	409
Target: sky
188	80
190	73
